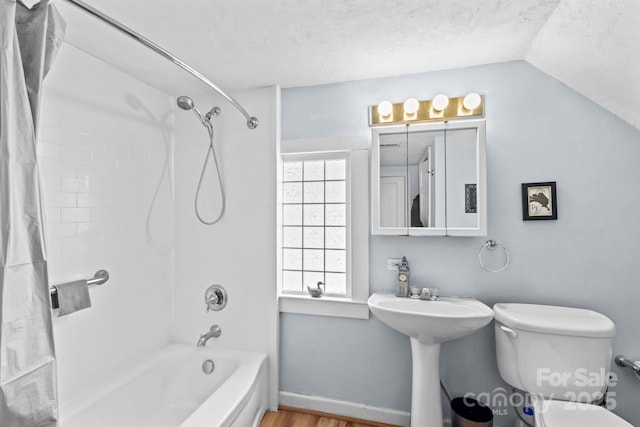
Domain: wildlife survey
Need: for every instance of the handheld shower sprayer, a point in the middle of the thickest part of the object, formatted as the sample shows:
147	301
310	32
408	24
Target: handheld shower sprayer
187	104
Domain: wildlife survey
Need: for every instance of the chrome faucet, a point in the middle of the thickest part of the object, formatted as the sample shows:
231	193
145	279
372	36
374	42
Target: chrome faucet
428	294
214	332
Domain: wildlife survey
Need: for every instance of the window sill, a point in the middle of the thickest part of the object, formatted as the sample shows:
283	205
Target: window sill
323	306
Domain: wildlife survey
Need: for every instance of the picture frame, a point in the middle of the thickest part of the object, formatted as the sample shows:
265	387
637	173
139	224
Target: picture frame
539	201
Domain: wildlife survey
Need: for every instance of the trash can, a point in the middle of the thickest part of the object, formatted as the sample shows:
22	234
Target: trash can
468	412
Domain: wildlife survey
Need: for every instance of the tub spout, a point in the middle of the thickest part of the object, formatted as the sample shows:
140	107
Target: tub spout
214	332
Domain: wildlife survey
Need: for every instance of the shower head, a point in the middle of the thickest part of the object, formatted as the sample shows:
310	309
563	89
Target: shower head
185	103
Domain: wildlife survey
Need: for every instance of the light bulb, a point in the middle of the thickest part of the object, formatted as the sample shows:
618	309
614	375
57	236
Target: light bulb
472	101
411	106
385	108
440	102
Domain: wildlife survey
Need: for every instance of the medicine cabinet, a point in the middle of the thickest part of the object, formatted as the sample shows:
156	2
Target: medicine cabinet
429	179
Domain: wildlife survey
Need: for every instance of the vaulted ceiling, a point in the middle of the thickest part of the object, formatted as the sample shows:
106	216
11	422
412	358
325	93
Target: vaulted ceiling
593	46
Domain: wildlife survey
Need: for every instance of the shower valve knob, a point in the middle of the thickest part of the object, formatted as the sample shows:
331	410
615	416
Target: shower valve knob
212	301
215	298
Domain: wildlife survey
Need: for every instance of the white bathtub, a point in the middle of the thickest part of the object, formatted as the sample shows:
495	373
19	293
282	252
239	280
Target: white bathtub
170	389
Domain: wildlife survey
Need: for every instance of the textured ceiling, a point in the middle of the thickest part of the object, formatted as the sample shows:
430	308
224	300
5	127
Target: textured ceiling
591	45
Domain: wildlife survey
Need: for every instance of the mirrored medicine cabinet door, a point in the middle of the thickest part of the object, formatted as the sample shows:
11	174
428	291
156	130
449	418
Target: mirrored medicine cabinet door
429	179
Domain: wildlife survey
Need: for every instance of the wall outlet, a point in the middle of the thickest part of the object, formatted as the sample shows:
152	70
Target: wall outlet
393	263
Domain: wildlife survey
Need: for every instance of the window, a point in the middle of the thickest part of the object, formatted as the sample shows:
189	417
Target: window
323	231
315	225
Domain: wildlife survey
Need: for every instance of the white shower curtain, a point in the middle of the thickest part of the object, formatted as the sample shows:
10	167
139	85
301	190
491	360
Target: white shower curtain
29	39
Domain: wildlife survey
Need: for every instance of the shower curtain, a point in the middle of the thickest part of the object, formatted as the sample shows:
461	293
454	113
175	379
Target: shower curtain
29	39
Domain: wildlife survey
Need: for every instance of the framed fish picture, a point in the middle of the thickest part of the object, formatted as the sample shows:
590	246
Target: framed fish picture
539	201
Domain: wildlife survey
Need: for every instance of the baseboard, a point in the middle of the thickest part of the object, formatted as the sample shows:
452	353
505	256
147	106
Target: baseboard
346	409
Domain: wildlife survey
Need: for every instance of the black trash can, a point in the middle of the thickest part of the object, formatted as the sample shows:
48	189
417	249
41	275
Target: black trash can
468	412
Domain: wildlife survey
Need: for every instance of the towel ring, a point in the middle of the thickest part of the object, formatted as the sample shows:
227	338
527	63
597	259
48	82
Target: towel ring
492	245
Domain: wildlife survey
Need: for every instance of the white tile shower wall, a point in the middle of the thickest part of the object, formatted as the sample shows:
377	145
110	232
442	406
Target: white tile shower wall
105	154
238	252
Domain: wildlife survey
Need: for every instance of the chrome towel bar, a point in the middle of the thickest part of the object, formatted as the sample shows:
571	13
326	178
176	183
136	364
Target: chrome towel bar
623	362
99	278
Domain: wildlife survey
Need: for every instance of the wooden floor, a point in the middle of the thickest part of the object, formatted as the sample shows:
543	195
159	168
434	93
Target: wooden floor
294	417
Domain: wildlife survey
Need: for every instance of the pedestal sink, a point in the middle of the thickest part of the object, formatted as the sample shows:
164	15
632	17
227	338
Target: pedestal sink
429	323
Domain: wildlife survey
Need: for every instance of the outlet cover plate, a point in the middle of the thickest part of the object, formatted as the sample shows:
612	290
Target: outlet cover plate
393	263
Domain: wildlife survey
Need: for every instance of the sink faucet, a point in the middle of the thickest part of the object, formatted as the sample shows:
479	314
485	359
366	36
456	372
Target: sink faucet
214	332
429	294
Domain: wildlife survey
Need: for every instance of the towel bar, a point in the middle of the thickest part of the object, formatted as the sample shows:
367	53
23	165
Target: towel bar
623	362
99	278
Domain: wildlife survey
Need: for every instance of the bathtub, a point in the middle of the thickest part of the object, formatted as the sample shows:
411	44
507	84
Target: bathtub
170	389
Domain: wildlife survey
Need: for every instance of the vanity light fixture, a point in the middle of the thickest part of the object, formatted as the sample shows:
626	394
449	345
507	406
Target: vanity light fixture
385	108
411	106
440	108
440	102
471	101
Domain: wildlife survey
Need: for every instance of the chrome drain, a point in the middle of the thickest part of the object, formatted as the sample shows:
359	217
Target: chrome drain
208	366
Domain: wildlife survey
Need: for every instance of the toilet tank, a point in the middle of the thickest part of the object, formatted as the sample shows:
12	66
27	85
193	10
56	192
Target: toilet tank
558	352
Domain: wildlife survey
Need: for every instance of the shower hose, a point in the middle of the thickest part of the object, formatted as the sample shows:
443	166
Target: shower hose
211	152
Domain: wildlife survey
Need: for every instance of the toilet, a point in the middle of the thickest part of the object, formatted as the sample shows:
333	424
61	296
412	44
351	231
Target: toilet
560	357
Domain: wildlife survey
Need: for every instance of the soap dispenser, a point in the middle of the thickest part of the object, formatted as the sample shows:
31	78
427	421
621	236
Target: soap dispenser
402	287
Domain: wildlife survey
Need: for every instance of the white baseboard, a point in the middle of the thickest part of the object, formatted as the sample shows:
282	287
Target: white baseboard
346	409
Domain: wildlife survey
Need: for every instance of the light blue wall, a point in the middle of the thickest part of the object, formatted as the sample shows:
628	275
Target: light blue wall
537	130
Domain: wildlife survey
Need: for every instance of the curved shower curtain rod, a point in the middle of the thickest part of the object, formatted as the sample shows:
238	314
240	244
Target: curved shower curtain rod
252	122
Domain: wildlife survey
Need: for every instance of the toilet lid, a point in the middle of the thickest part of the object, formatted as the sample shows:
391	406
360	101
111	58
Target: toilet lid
555	413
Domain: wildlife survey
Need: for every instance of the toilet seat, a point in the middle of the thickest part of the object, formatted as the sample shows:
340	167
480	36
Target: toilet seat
556	413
